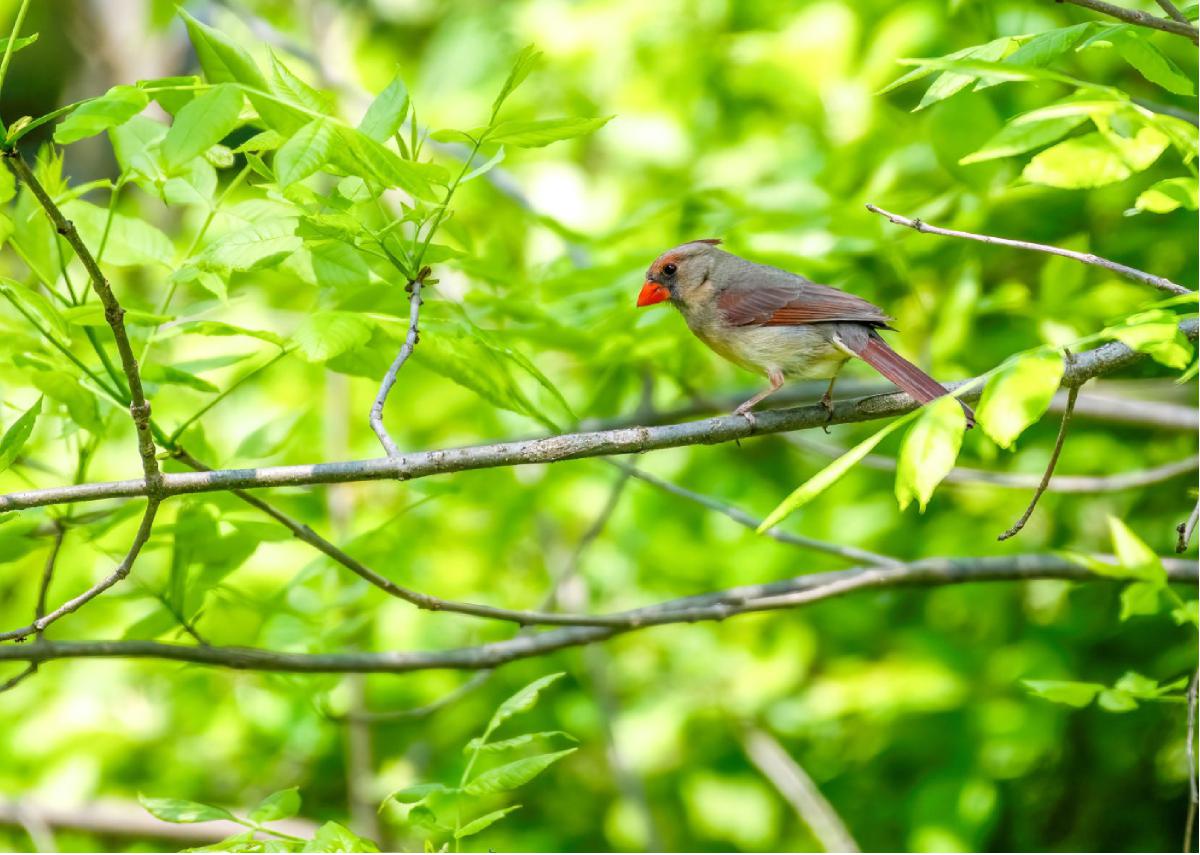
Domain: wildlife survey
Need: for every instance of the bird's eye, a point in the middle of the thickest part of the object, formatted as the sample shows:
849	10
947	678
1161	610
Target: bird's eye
669	269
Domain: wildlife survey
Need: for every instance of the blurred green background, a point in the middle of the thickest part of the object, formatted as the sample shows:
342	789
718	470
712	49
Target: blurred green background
756	122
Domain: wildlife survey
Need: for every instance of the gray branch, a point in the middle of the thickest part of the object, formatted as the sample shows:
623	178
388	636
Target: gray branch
1140	19
786	594
1133	273
1091	363
406	349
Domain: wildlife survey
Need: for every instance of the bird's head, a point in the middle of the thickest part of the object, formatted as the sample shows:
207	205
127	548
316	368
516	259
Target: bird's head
678	272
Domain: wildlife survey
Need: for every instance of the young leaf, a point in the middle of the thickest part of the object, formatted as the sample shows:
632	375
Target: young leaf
253	248
202	123
1137	50
477	744
514	774
280	805
18	432
1167	195
222	59
1019	136
386	113
115	107
1157	334
290	87
323	335
1080	162
332	837
950	82
132	242
543	132
526	60
1134	555
818	483
416	794
305	153
1139	598
1064	691
1017	395
480	823
181	810
929	450
521	701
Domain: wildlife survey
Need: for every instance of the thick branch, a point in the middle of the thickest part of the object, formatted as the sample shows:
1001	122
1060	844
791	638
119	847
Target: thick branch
790	593
1140	19
1100	360
1133	273
410	342
139	407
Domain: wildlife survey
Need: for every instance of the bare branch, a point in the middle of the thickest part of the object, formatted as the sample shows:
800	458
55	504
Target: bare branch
139	407
1140	19
1193	784
1054	455
1100	360
786	594
1173	10
744	519
795	785
406	349
1186	529
122	570
1159	282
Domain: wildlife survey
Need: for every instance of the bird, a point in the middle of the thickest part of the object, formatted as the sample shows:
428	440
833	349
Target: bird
779	324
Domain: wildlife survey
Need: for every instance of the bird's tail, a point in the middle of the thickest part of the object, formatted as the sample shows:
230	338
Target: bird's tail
876	353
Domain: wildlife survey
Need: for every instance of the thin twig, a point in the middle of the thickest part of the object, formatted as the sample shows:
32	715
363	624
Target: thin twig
799	790
785	594
39	611
1186	529
1173	10
139	407
1159	282
410	342
1140	19
1020	480
742	518
121	571
1193	784
1072	394
1091	363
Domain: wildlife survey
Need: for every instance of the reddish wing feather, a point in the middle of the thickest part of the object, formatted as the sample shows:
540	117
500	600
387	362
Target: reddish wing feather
804	303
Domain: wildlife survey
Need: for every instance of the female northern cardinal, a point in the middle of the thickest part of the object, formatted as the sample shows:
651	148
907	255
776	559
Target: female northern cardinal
766	319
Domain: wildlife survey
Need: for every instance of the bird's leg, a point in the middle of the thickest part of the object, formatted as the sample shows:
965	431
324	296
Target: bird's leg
776	378
827	403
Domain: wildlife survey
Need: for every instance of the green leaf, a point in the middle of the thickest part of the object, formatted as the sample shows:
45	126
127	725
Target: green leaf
929	450
539	133
1065	692
202	123
1116	701
417	793
997	46
360	155
253	248
1139	598
386	113
818	483
1080	162
169	375
181	810
132	242
514	774
220	328
477	744
92	315
525	62
521	701
151	626
32	302
1043	48
222	59
949	83
305	153
290	87
79	399
339	265
115	107
1020	136
332	837
323	335
1134	555
1156	333
280	805
1137	50
480	823
17	435
262	141
1017	395
1167	195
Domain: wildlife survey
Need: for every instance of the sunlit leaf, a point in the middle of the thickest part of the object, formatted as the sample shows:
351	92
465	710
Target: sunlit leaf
929	451
386	113
1167	195
324	335
514	774
481	823
539	133
115	107
1134	555
280	805
305	153
1064	691
17	435
1017	395
524	63
521	701
203	122
182	810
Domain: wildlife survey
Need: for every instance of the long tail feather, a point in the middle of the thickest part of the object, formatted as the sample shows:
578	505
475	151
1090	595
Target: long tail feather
904	374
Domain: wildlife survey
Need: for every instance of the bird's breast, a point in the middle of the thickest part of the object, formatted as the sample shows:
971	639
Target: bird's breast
803	351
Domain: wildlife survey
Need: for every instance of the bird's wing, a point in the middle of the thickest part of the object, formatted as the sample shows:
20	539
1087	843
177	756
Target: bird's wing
796	303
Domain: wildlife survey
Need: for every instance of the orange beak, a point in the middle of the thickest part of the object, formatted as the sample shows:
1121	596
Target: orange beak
653	292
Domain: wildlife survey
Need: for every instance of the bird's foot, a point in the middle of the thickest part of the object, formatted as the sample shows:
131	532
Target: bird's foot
748	416
827	405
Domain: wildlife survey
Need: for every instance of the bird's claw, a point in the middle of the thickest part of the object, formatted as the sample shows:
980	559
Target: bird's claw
827	405
748	416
